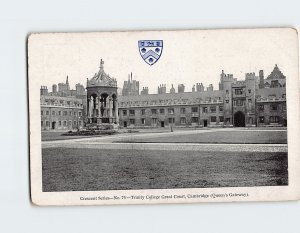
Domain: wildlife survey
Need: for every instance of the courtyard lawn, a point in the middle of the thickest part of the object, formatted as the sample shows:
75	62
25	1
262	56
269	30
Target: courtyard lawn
234	137
66	169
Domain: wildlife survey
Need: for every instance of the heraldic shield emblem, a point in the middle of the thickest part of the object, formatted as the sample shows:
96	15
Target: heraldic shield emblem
150	50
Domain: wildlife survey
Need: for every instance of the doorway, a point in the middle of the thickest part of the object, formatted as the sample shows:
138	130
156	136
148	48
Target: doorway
205	123
162	124
239	119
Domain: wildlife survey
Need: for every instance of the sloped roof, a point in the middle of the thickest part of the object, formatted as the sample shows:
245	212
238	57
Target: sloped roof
101	78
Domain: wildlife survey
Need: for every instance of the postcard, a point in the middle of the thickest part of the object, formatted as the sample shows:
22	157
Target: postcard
148	117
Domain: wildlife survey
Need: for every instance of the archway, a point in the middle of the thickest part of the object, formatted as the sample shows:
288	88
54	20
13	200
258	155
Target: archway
239	119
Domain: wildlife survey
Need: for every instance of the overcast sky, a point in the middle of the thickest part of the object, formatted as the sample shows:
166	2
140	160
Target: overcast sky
188	57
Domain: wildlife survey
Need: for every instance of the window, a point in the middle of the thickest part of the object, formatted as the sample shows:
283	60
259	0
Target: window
143	111
262	119
182	120
182	110
42	123
162	111
228	120
284	107
249	101
153	111
42	113
76	114
272	97
74	123
171	111
70	113
274	83
213	119
221	118
239	102
143	121
79	122
220	108
195	119
204	109
132	121
227	91
249	91
47	123
171	120
274	107
59	123
194	109
59	113
65	113
131	112
283	96
274	119
70	123
79	113
124	112
226	101
53	113
47	113
213	109
261	107
238	91
65	123
154	120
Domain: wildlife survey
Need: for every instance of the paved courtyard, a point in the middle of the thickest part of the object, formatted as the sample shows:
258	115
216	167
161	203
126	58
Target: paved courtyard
181	159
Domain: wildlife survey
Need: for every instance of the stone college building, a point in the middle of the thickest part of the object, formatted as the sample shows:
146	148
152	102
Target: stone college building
255	101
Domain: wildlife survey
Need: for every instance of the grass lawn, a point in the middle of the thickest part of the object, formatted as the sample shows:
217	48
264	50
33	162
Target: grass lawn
51	136
66	169
251	136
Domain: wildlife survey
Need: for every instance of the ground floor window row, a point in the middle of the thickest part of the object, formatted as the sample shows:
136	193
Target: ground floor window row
61	124
171	120
272	119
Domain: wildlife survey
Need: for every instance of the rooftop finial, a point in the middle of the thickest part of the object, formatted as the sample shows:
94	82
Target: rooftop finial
101	64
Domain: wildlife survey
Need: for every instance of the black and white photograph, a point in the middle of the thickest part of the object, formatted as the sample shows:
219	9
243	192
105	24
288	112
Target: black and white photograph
161	116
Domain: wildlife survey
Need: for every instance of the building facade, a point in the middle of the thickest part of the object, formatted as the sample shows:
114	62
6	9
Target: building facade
255	101
63	109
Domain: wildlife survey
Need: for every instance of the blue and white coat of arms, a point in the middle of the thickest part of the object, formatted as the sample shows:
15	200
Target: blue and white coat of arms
150	50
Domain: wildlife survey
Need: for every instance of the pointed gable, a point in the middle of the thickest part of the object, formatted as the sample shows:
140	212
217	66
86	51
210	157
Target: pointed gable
276	74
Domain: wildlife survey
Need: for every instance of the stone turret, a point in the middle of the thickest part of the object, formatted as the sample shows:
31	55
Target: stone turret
131	87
